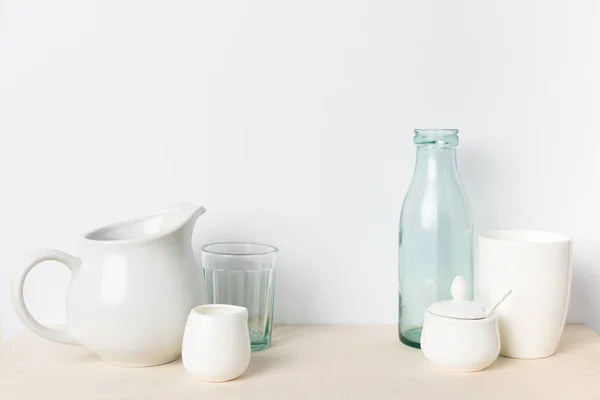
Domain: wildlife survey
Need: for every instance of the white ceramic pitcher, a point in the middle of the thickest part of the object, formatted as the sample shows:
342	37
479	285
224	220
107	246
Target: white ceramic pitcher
131	289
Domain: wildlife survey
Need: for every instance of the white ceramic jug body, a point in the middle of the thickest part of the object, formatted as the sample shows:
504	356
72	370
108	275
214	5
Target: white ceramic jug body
537	267
131	289
216	342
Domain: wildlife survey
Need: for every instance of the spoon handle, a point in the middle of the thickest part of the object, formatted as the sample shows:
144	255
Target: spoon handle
498	302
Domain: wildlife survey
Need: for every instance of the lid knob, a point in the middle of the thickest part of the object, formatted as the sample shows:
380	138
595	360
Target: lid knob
459	288
460	307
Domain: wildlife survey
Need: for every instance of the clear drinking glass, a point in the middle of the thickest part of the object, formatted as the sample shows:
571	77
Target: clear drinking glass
243	274
436	232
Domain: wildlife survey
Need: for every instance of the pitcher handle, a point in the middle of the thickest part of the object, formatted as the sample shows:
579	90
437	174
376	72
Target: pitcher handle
18	300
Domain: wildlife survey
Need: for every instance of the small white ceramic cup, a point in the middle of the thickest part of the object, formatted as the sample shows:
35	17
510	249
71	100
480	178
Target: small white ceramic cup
216	342
537	266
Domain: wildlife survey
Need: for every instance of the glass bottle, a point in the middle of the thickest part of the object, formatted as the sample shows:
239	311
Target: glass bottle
436	232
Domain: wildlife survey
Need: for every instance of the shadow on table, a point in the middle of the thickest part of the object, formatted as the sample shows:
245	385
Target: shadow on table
283	333
269	358
260	365
85	356
565	345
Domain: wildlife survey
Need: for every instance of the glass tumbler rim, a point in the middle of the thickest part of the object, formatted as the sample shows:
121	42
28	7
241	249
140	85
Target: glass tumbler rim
245	249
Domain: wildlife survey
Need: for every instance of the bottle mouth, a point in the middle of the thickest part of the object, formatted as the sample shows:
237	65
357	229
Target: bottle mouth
436	137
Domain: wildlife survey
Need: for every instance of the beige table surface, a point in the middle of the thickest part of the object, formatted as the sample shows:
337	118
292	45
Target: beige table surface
305	362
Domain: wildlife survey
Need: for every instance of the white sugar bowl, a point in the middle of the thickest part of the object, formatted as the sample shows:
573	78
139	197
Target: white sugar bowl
460	335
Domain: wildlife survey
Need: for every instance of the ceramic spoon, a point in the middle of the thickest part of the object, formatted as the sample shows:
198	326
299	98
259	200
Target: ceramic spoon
490	310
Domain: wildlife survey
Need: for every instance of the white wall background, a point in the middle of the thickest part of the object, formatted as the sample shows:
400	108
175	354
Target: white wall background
291	121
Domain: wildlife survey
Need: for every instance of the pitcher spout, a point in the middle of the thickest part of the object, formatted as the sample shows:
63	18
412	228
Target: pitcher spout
150	227
184	214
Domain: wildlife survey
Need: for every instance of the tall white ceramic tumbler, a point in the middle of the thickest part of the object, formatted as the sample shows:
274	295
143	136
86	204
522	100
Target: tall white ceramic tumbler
216	342
537	267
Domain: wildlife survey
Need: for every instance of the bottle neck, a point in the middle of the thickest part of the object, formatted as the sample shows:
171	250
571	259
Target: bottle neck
446	155
436	152
433	163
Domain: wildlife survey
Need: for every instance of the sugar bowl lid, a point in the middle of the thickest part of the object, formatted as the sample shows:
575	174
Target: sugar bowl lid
459	307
